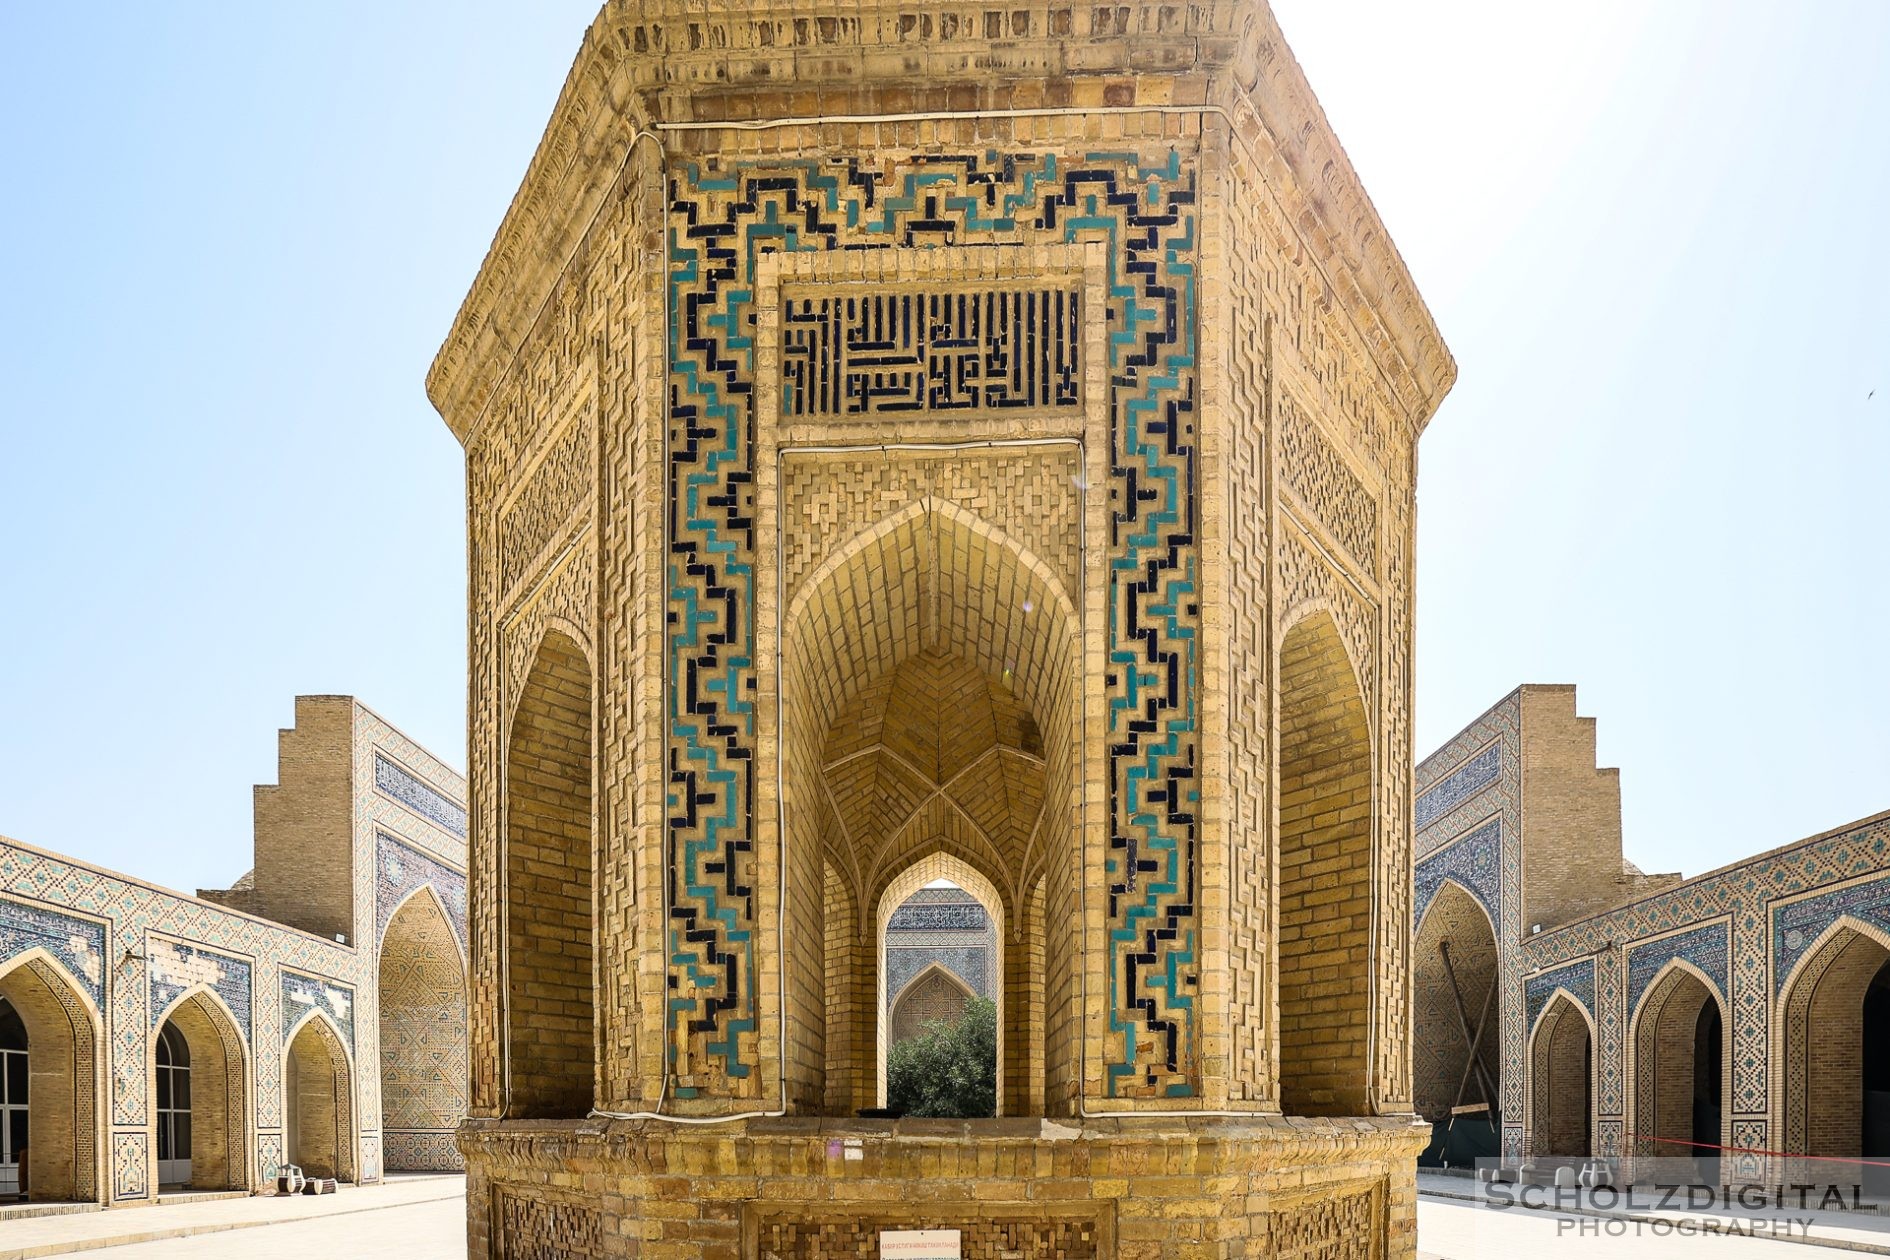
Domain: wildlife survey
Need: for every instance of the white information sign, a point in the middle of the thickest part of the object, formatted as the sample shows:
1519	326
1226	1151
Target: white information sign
919	1244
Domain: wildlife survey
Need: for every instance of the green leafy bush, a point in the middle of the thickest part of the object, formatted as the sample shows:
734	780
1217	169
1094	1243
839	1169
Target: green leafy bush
950	1071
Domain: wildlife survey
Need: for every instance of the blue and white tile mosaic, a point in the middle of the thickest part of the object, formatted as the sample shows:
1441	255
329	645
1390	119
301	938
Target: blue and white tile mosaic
175	968
399	869
395	781
78	944
1476	774
1704	947
1475	861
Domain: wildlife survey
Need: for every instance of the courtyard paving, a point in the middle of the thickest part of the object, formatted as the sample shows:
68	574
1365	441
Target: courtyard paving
425	1219
414	1217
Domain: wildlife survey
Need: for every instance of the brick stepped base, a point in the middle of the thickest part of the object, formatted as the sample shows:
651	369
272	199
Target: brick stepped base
1133	1188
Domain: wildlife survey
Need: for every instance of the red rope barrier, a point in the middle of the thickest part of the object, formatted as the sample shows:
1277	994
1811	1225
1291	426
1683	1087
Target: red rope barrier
1754	1150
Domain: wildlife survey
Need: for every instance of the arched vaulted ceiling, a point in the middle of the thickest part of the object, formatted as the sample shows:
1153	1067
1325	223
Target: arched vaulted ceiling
930	656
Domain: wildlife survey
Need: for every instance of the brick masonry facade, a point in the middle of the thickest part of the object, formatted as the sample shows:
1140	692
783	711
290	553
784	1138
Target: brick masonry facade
363	836
951	440
1519	830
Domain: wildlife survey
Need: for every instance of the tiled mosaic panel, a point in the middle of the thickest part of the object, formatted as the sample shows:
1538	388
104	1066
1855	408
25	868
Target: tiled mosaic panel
131	1165
302	994
437	808
1474	862
175	968
978	1240
268	1156
78	944
721	219
399	869
862	354
1609	1139
970	963
542	1229
1578	978
1749	1137
1704	947
1797	926
1745	893
415	1150
1610	1053
1460	785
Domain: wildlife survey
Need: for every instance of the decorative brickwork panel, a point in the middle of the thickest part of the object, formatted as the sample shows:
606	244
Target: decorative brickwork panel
1038	1233
863	354
722	218
1344	1227
545	1229
1317	475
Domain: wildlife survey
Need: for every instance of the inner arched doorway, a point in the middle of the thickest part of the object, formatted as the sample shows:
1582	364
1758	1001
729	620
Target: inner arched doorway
940	929
1458	1061
53	1086
318	1101
423	1037
1828	1028
200	1096
929	708
1680	1082
1561	1080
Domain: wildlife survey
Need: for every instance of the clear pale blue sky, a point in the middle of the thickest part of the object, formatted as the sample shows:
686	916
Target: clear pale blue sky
232	237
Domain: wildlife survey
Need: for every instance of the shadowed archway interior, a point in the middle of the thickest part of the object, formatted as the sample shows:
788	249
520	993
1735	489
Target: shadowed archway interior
1325	877
1561	1081
1826	1025
1454	981
201	1097
318	1108
549	915
60	1085
1679	1070
929	684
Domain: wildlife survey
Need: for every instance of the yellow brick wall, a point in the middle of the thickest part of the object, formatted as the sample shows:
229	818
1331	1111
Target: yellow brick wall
549	912
305	823
1325	859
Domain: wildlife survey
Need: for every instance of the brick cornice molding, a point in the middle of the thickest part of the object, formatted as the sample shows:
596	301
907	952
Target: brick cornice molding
680	60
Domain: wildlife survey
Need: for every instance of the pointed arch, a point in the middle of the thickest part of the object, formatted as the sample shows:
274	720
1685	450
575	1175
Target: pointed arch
549	1012
423	1035
929	703
1455	976
221	1128
1561	1093
1819	1036
942	863
915	1007
66	1144
446	915
1324	864
1679	1065
318	1098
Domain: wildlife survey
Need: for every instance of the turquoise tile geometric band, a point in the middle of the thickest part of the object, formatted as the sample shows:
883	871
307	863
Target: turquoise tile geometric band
721	219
